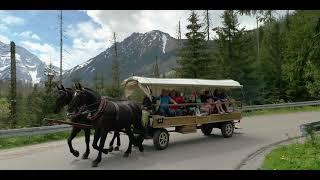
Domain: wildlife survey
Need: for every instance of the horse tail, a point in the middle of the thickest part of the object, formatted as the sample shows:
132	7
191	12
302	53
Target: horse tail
137	121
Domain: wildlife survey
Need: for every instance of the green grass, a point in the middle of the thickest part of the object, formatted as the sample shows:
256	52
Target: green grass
282	110
294	157
13	142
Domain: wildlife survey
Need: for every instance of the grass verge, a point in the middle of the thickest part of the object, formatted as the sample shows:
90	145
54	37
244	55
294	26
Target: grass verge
13	142
282	110
294	156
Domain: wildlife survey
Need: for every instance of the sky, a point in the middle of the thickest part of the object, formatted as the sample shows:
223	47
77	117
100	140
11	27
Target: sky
86	33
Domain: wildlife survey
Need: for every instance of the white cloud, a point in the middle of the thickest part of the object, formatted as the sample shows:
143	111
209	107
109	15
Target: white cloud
89	38
88	30
45	51
3	27
4	39
12	20
28	35
34	36
125	22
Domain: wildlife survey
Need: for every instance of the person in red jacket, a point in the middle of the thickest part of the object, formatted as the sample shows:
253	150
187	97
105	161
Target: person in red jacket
179	100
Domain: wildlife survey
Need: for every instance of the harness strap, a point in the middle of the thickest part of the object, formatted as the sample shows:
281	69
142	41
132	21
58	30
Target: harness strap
102	107
117	109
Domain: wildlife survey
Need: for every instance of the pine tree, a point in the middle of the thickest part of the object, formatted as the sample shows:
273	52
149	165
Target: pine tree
207	22
96	84
156	69
164	75
194	56
272	63
102	82
115	71
235	55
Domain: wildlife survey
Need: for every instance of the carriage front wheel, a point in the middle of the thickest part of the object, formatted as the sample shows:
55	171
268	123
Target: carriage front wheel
161	139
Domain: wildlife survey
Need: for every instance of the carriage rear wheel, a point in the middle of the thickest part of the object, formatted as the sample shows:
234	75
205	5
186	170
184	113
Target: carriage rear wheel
206	129
227	129
161	139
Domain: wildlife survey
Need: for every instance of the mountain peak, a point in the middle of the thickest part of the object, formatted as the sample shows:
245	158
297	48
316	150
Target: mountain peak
136	54
29	67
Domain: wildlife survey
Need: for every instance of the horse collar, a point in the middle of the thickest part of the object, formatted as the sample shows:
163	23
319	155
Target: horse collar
102	107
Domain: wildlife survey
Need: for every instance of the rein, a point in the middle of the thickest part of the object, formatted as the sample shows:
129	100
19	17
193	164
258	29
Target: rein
98	112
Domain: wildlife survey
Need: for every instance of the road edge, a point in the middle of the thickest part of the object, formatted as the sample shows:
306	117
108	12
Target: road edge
263	150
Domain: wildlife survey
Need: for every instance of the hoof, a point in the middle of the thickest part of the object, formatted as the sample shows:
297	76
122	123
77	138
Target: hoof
94	164
105	151
76	153
110	149
116	148
126	155
85	156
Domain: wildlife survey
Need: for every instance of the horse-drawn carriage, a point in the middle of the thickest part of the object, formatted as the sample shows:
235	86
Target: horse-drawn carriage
87	110
157	125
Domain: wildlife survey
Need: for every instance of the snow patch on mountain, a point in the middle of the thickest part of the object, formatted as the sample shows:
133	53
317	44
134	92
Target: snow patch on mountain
34	78
29	67
164	40
136	55
3	68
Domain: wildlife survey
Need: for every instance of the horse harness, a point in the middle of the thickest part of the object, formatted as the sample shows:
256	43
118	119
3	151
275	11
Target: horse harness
102	108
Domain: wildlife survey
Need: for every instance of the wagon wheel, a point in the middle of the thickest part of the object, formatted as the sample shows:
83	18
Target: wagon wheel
161	139
227	129
206	129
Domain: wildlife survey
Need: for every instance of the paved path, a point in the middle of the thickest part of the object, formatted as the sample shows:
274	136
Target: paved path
185	151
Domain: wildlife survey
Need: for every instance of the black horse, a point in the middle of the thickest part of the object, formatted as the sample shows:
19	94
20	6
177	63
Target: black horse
115	117
64	98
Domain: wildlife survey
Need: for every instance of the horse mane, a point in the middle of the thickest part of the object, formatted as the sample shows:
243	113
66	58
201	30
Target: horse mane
94	93
70	89
88	89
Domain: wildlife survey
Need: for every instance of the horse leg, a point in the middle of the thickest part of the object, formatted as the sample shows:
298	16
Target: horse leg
101	145
73	134
97	135
96	139
118	142
140	141
87	139
131	139
111	142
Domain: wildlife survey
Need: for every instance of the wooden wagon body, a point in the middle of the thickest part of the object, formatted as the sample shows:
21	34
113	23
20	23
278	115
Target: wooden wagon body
157	125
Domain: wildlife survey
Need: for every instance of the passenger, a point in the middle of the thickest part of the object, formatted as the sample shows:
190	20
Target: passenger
181	100
150	104
204	97
217	100
165	100
209	107
223	98
178	99
194	99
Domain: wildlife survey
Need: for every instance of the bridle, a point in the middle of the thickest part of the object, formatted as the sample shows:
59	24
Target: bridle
84	108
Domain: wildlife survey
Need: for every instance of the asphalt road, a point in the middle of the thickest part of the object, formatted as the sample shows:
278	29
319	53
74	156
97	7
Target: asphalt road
185	151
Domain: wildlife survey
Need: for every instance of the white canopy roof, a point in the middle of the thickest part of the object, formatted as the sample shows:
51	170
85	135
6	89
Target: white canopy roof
157	83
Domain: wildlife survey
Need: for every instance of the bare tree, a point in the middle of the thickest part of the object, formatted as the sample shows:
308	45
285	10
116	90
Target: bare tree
13	88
